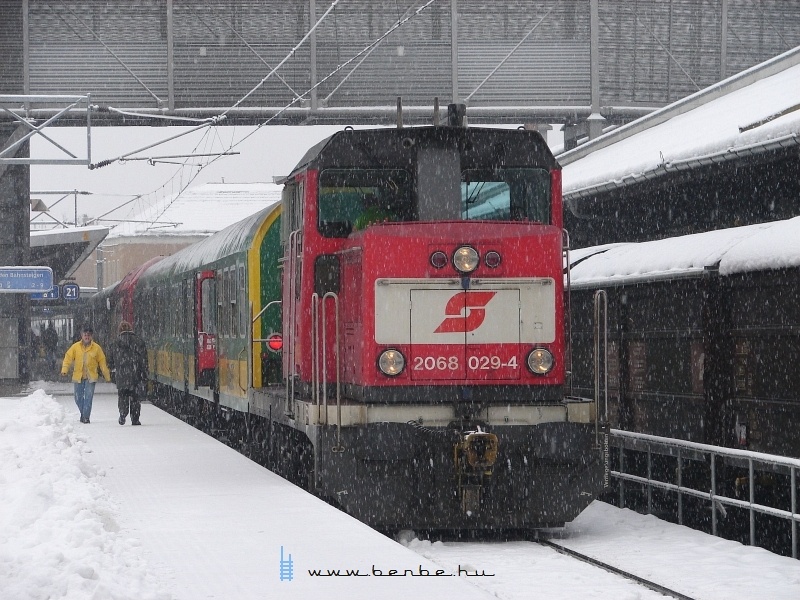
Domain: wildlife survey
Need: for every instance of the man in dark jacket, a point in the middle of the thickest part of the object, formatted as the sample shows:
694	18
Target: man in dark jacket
128	356
50	343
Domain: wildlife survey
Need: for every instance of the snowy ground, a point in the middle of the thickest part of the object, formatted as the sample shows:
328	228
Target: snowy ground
163	512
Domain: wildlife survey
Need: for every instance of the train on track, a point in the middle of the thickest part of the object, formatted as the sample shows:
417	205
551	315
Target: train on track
702	335
390	336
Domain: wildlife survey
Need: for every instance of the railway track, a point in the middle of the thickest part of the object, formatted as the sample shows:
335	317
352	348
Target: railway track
656	587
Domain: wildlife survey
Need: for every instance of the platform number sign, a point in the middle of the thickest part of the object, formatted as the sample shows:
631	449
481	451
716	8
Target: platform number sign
71	291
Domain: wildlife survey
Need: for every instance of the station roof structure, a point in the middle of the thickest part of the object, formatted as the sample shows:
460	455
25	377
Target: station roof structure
348	61
751	113
63	250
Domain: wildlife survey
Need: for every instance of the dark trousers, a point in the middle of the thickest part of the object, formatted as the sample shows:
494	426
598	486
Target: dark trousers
129	398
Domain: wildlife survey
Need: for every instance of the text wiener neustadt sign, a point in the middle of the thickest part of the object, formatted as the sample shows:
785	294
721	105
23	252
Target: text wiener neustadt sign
19	280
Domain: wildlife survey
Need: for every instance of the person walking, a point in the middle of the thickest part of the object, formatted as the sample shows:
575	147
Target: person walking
128	357
50	343
88	358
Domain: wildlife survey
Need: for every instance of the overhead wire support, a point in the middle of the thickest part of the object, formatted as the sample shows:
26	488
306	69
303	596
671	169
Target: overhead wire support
297	98
152	159
104	163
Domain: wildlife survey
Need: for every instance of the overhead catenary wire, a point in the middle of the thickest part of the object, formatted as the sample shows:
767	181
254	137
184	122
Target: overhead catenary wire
216	120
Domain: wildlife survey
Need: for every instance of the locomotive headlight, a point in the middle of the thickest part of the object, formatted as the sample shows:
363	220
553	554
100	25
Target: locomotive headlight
540	361
391	362
465	259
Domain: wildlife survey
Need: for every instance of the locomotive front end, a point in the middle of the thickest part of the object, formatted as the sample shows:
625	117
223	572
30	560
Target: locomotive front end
435	323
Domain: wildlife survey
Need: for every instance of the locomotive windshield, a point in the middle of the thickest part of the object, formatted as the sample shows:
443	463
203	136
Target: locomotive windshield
352	199
506	195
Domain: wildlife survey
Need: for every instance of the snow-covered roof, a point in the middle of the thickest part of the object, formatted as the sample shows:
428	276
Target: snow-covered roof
232	239
200	211
765	246
758	109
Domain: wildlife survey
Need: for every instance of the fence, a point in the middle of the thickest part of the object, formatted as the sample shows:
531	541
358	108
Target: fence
712	457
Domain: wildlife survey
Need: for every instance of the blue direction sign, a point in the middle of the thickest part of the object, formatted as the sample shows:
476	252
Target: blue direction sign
53	294
16	280
71	291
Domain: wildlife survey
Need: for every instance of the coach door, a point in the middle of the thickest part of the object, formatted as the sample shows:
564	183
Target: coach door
187	334
206	328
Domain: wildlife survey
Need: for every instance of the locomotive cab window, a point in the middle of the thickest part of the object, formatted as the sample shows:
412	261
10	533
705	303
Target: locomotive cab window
352	199
506	195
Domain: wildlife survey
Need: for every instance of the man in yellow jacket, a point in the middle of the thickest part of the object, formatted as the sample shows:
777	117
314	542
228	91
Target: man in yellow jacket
88	357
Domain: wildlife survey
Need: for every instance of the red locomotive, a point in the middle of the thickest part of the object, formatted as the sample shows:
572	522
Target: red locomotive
415	280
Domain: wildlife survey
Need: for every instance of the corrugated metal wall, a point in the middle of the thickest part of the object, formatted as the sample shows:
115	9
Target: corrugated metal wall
11	81
652	51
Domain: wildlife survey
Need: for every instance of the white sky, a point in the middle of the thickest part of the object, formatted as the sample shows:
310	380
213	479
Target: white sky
164	512
271	151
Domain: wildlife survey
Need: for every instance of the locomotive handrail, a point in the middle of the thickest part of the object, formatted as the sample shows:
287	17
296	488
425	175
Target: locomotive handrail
335	297
600	338
647	443
565	246
239	374
261	312
292	329
315	354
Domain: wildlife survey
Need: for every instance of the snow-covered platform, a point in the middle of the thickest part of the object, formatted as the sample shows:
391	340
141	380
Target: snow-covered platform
164	512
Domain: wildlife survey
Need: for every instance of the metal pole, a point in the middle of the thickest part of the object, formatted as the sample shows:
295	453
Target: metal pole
312	11
649	478
752	501
596	120
26	50
723	36
621	481
794	512
713	494
680	484
170	57
454	47
594	54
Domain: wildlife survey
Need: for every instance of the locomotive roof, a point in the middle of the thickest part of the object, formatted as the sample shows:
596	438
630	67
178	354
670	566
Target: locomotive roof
393	147
766	246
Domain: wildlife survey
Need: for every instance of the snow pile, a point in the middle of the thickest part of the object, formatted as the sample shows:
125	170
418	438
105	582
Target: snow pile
58	533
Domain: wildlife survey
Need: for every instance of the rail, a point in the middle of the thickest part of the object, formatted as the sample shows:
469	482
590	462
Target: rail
649	444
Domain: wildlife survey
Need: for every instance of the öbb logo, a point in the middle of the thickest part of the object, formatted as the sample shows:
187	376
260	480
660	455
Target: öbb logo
472	305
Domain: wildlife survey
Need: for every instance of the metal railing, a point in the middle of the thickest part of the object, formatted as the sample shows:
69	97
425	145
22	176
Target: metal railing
683	450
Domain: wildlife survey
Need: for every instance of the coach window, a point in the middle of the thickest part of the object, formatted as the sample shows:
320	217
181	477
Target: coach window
209	300
506	195
345	195
244	312
234	293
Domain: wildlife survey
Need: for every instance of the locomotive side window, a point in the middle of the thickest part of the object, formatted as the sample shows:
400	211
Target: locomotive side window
351	199
506	195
